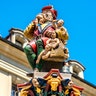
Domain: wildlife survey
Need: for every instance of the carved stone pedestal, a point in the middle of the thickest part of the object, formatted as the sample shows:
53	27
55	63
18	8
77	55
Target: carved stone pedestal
42	74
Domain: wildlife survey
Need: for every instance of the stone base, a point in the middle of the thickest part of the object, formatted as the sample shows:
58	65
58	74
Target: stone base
42	74
48	65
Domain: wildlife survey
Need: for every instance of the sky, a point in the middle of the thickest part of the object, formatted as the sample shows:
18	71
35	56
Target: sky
79	19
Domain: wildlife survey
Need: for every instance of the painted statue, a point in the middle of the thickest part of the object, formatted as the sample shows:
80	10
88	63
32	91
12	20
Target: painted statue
42	30
52	84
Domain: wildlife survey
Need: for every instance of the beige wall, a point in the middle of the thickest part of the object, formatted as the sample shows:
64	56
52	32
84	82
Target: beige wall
10	74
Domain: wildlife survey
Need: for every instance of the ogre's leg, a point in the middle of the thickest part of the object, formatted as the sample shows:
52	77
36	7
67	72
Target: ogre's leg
31	56
40	47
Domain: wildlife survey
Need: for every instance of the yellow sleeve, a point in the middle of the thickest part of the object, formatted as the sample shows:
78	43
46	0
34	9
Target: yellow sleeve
29	31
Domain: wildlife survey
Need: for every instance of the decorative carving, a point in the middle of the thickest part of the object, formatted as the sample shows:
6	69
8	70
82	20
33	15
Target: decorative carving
51	84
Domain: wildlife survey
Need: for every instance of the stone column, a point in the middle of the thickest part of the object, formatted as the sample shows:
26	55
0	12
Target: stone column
80	74
5	83
13	38
71	69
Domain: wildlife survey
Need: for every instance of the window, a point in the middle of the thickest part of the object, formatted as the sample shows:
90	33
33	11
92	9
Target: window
18	43
75	72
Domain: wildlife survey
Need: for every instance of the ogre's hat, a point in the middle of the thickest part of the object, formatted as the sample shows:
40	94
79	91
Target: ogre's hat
46	7
54	12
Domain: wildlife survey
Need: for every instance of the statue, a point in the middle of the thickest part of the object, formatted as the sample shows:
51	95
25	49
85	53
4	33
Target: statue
41	31
52	84
47	43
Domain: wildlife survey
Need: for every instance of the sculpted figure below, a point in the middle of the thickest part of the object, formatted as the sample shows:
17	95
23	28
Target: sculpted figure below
52	84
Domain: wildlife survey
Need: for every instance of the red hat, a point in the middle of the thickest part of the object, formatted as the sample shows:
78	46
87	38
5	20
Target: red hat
54	12
46	7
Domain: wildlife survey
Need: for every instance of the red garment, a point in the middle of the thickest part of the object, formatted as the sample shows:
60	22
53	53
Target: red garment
33	43
54	12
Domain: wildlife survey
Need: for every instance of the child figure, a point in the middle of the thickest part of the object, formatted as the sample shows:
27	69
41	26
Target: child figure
53	41
61	31
40	18
58	23
44	54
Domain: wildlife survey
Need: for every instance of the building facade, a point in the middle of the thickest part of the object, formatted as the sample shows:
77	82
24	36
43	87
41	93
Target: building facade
14	66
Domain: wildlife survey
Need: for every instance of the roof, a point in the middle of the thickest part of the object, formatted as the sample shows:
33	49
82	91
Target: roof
10	43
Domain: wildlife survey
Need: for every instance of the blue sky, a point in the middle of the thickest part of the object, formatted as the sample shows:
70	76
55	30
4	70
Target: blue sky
80	20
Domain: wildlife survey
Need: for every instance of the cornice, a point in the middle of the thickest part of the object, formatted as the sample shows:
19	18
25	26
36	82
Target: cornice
11	51
13	69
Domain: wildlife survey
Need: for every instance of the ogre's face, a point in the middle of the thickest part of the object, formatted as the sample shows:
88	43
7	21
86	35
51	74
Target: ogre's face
47	47
60	23
48	15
